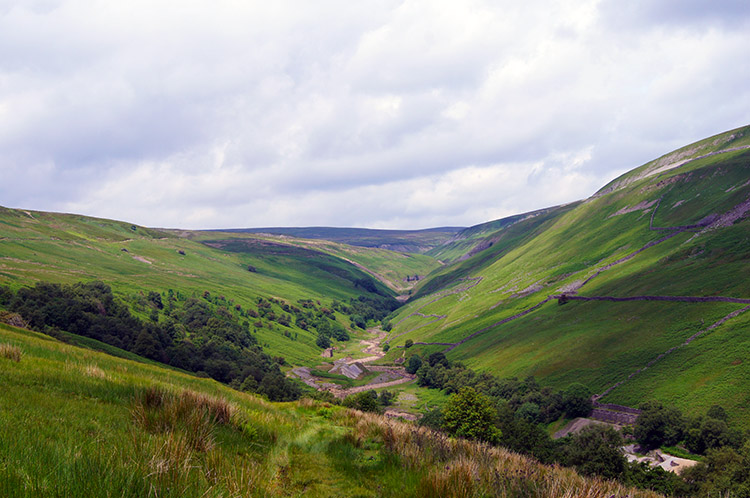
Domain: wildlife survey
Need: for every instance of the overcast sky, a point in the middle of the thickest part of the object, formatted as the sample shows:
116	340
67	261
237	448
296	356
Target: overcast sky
382	114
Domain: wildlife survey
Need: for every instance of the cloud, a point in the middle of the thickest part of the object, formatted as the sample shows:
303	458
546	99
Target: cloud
392	114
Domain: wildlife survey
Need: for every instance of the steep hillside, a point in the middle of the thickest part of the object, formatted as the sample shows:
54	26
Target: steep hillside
473	240
638	291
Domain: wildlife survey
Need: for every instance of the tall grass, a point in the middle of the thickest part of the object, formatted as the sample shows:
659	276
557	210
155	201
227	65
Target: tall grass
460	468
10	352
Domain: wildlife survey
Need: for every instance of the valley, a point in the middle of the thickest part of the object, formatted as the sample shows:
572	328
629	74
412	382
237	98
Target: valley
636	296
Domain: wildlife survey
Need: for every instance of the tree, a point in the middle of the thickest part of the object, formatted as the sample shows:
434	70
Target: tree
577	400
471	415
433	418
409	343
658	425
323	341
528	411
596	450
366	401
415	361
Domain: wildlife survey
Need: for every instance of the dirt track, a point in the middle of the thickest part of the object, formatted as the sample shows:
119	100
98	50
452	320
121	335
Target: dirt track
371	347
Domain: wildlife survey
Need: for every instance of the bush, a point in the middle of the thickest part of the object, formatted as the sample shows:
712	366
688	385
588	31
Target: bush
471	415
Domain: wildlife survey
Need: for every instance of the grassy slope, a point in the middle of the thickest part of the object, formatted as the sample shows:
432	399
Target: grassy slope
70	426
390	267
401	240
67	248
600	342
479	237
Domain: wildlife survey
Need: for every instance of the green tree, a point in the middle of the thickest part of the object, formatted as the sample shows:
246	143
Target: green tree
658	425
415	361
471	415
596	450
577	400
323	341
409	343
366	401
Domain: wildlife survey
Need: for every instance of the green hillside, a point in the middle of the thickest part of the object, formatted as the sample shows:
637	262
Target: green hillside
680	231
478	238
134	261
74	422
396	270
413	241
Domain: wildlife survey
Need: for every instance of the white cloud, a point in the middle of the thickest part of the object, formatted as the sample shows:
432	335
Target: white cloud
383	113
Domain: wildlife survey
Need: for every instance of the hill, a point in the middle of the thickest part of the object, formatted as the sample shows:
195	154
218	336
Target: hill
636	292
399	271
413	241
266	291
75	422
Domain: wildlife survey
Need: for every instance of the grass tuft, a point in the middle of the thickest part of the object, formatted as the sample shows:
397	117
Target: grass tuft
193	415
10	352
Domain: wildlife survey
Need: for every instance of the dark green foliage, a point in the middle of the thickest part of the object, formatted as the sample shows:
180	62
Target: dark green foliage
438	372
366	401
577	400
432	418
522	436
409	343
323	341
528	411
471	415
155	299
658	425
642	475
415	361
724	472
595	450
705	433
339	333
717	412
197	336
385	398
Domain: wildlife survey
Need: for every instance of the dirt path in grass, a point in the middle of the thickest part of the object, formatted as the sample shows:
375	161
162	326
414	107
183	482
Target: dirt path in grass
372	348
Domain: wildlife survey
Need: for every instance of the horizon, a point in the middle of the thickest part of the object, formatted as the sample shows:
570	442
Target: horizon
395	115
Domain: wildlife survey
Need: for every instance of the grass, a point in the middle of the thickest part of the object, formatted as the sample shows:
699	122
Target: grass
602	343
10	352
66	248
75	422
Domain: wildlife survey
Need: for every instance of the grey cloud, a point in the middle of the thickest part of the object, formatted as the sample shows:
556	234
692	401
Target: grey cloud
677	13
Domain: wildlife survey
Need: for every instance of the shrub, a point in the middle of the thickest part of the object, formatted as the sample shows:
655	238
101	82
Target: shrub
470	414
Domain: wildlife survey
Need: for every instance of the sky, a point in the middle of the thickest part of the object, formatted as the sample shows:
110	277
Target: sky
369	113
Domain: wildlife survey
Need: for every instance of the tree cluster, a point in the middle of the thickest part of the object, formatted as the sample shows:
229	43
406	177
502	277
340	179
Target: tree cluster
511	413
194	334
526	398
